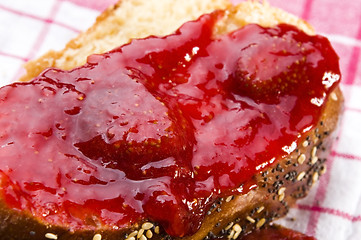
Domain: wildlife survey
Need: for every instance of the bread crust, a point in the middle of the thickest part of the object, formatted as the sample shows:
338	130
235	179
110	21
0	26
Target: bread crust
278	187
116	26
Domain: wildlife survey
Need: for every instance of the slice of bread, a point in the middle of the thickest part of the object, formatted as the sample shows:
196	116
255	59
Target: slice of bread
130	19
278	186
126	20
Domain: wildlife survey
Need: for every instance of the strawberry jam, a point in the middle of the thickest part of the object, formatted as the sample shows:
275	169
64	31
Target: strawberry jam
160	128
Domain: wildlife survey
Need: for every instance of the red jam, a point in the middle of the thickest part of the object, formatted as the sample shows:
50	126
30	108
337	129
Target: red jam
160	128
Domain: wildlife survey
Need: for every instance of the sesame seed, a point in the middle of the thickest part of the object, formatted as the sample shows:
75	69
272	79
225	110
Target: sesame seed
301	158
314	160
300	176
235	236
156	229
142	237
314	151
140	233
130	238
261	222
147	225
250	219
51	236
231	234
229	226
237	228
281	190
228	199
133	234
315	177
281	197
260	209
305	143
149	234
97	237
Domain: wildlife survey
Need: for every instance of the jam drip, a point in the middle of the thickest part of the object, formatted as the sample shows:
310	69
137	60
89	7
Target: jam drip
160	128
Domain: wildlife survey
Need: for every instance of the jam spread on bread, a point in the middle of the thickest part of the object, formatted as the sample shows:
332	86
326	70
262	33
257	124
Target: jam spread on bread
160	128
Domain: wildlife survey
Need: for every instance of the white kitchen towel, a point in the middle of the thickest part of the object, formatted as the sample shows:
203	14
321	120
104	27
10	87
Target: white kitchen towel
332	211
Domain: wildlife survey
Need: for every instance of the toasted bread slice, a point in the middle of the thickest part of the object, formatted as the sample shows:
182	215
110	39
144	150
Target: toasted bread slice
278	186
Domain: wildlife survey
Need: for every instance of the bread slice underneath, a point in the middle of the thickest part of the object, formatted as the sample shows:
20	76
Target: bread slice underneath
279	186
130	19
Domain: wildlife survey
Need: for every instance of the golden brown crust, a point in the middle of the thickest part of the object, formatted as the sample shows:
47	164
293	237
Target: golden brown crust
259	13
118	25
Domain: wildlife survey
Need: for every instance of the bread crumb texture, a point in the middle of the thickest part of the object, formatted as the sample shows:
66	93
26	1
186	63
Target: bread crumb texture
117	25
130	19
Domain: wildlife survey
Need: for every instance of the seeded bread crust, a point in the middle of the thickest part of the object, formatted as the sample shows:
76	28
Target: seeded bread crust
278	187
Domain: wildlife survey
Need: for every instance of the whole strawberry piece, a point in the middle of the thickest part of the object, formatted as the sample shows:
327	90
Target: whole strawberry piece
279	64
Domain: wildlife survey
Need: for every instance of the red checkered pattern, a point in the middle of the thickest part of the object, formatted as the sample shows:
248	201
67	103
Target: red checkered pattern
333	208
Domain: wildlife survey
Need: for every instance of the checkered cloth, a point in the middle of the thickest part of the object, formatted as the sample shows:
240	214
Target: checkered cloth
333	208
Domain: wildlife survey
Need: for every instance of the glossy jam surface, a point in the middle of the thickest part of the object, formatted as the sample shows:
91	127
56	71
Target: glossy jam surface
161	127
